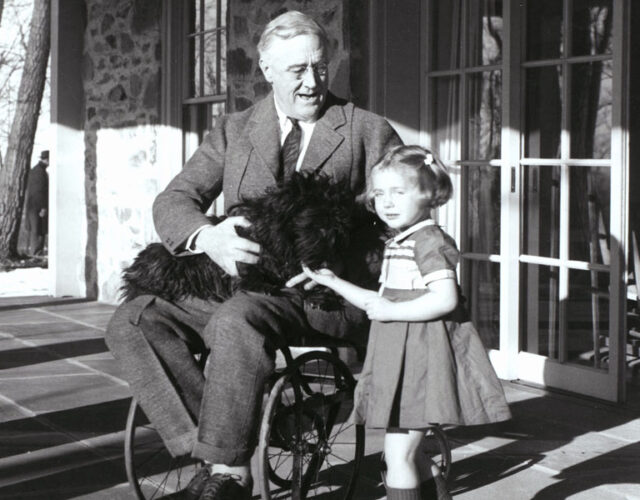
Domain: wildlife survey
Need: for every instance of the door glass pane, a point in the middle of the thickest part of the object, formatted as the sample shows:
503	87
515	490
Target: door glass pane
445	27
539	306
211	63
217	110
484	32
589	214
545	37
481	185
541	211
194	84
543	112
592	101
446	122
210	14
592	27
223	13
223	62
481	285
484	122
588	318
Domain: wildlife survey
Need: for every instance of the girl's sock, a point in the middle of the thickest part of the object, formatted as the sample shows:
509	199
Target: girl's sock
403	494
428	489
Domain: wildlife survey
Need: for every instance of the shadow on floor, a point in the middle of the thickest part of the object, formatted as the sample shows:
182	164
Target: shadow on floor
59	427
70	483
539	426
618	467
26	356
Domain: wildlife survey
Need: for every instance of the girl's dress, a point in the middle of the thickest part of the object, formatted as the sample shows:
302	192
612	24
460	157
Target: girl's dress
426	372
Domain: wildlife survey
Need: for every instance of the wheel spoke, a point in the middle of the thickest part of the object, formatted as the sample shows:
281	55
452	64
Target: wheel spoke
326	387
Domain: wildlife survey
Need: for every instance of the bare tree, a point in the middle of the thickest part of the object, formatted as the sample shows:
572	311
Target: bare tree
13	175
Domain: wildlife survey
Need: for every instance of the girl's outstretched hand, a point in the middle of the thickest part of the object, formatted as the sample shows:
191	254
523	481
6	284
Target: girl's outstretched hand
322	276
378	308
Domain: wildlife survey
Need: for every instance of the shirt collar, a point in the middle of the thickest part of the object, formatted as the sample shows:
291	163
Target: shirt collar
283	119
410	230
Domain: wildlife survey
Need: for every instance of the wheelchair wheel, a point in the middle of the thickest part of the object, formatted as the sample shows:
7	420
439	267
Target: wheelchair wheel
307	446
152	472
438	448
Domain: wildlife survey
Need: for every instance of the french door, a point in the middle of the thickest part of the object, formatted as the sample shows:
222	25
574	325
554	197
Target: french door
525	102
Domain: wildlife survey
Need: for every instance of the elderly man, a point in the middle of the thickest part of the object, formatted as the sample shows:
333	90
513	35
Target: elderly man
299	126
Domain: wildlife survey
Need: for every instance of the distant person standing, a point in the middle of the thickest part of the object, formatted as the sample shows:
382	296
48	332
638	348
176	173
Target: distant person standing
36	206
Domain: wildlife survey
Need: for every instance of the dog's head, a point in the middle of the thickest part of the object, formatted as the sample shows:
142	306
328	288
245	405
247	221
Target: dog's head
310	219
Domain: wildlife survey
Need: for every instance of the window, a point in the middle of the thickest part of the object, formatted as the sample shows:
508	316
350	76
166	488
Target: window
464	73
525	102
205	74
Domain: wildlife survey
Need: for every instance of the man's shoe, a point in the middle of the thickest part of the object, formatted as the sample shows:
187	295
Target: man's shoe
225	487
196	485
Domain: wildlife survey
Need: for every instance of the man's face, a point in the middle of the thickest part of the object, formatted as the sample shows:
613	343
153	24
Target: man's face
297	68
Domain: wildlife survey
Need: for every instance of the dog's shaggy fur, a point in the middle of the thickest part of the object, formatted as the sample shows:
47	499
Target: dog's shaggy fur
308	219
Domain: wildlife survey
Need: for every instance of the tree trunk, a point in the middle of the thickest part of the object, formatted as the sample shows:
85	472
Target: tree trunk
13	175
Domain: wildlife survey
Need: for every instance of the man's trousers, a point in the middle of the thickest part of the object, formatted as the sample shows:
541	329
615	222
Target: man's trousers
153	341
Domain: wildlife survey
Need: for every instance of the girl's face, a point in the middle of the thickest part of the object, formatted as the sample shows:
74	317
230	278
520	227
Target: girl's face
397	198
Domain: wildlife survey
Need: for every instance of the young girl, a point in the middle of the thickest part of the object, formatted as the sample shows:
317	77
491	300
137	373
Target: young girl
423	364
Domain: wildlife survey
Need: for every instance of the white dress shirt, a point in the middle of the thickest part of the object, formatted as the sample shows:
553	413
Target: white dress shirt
285	128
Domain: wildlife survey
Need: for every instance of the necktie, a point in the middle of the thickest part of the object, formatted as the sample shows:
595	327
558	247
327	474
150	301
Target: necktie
290	151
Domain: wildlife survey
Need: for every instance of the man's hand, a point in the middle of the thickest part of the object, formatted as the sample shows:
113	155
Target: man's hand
223	245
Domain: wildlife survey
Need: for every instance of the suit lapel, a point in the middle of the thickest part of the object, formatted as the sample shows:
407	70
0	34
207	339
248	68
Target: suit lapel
265	134
325	140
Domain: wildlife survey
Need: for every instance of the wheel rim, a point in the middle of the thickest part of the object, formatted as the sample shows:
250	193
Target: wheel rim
152	472
443	449
328	446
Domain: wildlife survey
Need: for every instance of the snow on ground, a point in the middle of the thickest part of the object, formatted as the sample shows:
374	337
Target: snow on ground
23	282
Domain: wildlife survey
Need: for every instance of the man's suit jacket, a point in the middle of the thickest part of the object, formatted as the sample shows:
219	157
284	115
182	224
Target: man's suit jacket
240	158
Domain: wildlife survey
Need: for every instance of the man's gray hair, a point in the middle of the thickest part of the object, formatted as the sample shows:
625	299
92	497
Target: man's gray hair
289	25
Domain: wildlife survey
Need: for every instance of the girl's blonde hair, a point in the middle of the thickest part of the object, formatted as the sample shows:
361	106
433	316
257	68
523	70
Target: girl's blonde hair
429	171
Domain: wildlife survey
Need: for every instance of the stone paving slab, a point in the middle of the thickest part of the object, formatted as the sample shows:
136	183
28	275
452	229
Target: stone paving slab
55	393
20	316
50	331
26	435
63	406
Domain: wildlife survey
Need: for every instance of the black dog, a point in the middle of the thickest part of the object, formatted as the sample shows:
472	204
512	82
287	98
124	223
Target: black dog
308	219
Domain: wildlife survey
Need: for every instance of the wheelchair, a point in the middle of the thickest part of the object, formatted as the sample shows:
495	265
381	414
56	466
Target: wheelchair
306	447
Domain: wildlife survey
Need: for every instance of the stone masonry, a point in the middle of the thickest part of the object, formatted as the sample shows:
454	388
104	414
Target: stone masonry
121	74
127	151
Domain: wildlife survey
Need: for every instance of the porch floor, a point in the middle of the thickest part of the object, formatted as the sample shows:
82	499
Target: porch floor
63	407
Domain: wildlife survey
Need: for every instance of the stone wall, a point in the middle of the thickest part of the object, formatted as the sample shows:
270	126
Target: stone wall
129	156
247	19
121	75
